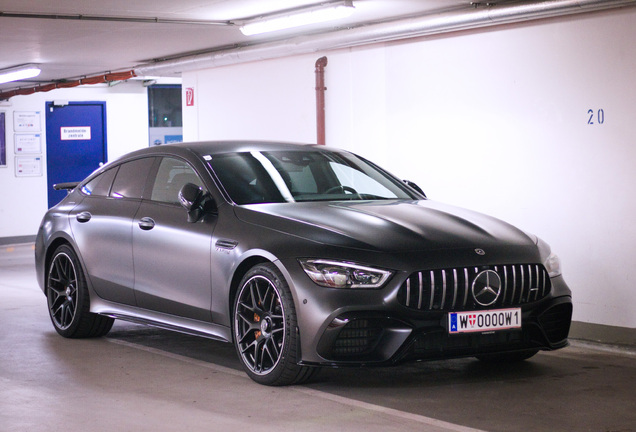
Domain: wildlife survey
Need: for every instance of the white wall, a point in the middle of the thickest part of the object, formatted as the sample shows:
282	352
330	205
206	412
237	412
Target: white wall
493	120
23	200
267	101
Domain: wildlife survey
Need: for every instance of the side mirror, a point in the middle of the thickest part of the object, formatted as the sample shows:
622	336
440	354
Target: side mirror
414	186
190	196
196	202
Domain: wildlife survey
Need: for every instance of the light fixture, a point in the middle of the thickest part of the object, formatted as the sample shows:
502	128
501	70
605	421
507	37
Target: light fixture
19	73
325	12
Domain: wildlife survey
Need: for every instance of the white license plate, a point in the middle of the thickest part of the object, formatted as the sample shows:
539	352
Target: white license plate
484	321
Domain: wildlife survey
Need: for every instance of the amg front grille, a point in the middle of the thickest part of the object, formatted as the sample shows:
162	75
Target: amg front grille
451	289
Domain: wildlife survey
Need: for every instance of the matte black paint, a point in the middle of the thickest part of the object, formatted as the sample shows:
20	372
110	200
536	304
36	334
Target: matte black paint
183	275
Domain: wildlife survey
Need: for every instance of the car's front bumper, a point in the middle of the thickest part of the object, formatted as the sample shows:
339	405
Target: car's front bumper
340	327
371	338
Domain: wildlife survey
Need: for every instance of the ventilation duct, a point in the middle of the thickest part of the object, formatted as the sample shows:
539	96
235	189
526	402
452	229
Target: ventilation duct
477	17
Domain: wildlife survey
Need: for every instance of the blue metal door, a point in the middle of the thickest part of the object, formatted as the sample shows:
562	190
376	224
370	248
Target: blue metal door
75	143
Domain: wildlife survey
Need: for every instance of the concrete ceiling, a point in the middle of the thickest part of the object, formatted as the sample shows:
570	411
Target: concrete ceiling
72	39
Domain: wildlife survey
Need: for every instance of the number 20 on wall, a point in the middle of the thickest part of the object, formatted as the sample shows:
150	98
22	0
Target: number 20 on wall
596	117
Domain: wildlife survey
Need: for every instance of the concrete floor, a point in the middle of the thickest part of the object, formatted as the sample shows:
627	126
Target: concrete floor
143	379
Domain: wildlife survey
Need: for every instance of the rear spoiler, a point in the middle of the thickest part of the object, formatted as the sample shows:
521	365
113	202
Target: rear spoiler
68	186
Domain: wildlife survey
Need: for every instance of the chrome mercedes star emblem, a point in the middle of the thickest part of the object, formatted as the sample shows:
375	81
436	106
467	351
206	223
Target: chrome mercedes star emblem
486	287
479	251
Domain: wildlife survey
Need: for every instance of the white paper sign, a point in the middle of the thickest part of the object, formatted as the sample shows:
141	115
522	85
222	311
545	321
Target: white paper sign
28	143
28	166
26	121
75	133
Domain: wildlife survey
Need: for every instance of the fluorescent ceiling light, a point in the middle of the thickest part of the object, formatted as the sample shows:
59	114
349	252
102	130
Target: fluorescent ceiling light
19	73
328	12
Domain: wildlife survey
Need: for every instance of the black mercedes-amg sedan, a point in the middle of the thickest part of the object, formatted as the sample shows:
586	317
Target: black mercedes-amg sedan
301	256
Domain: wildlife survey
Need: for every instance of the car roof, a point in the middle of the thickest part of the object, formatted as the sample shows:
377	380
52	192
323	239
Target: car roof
219	147
203	148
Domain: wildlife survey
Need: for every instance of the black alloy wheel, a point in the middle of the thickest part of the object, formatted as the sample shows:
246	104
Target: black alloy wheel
68	300
265	328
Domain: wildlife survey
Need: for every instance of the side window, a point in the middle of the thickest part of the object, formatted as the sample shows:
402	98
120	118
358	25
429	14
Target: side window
131	178
100	185
172	175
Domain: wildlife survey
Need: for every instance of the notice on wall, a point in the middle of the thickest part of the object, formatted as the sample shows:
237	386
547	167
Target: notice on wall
28	166
189	93
28	143
26	121
79	133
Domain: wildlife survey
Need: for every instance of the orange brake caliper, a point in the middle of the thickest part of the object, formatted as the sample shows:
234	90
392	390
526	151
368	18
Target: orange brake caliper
257	333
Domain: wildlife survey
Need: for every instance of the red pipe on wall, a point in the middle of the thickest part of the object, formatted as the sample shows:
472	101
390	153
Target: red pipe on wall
110	77
320	99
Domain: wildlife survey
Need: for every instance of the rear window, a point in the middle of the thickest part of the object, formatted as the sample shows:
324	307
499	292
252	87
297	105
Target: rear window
100	185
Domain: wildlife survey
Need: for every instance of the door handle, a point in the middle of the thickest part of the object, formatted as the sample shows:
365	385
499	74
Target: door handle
146	223
83	217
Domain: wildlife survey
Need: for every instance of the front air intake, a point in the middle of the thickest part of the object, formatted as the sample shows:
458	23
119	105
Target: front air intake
358	337
556	322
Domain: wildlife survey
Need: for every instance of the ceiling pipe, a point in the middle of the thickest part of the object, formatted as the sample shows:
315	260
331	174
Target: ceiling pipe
124	19
97	79
321	63
477	17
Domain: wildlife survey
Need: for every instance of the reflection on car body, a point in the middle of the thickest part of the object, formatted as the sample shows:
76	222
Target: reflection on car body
302	256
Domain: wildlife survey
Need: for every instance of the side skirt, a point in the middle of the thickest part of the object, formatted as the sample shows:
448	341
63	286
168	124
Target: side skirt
161	320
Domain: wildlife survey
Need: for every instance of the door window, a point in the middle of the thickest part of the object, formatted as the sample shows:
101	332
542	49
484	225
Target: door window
172	175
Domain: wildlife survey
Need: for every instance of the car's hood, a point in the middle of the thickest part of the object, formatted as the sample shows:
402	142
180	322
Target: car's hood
389	226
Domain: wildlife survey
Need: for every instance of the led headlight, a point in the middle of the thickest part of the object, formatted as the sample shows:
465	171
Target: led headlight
553	265
551	261
337	274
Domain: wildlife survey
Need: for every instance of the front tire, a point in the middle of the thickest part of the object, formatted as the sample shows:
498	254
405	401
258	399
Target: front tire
264	322
68	299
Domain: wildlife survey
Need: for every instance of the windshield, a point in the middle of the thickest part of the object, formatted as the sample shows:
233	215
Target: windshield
304	175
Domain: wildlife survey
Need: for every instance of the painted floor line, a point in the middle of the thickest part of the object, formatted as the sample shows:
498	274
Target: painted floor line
439	424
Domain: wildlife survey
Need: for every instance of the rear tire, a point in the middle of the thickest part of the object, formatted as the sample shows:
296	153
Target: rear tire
68	299
265	329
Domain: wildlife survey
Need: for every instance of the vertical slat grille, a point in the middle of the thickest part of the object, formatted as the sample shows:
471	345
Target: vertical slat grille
451	289
421	291
432	296
454	288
